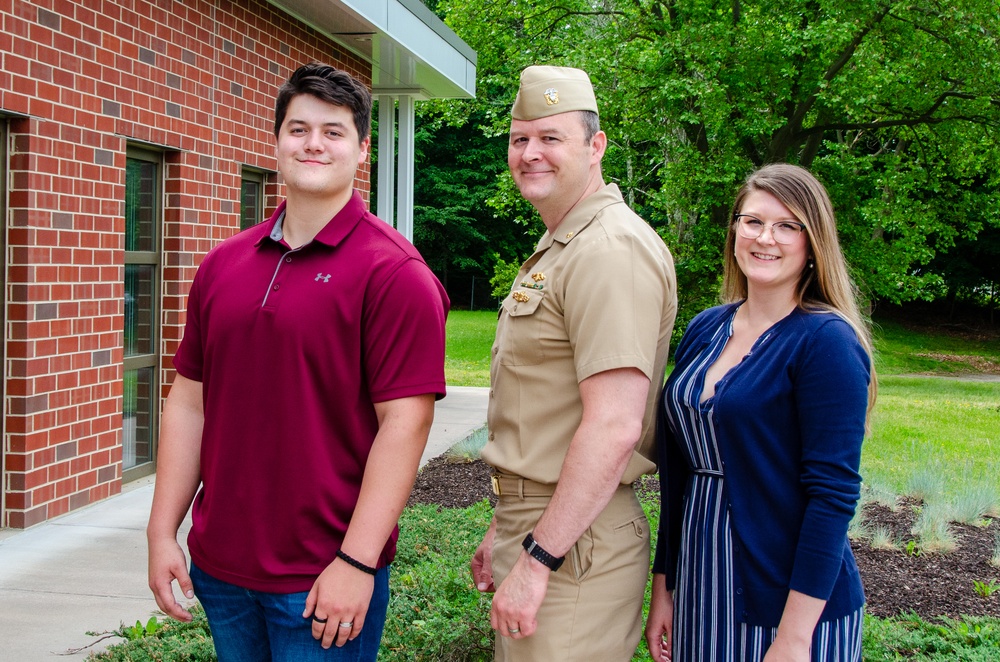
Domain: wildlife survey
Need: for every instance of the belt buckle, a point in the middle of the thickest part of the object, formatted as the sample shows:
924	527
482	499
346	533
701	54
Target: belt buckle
495	481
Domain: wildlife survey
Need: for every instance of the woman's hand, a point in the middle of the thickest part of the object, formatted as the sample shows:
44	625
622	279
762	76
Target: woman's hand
660	622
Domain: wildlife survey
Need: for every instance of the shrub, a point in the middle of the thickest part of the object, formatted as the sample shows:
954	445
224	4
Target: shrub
435	611
169	640
970	639
882	538
927	481
976	500
876	491
468	449
932	531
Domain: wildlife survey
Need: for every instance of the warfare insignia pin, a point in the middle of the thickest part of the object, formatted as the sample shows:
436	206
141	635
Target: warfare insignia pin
552	96
521	297
538	277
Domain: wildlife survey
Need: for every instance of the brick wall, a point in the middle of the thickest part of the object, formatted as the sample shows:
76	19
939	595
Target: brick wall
80	82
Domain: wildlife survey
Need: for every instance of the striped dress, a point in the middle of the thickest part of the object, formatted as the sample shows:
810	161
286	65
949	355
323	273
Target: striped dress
705	625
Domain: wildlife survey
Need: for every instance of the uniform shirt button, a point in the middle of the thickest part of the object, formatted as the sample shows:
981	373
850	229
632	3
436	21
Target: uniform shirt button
492	436
277	286
288	259
739	591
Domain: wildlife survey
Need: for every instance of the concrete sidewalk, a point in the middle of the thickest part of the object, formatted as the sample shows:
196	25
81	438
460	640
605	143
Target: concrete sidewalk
86	571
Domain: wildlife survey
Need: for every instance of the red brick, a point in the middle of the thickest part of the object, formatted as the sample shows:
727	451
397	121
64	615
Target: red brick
25	519
64	488
18	500
43	493
66	206
79	500
87	480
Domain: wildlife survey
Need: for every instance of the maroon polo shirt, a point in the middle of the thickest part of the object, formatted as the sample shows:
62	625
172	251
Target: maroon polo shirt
293	348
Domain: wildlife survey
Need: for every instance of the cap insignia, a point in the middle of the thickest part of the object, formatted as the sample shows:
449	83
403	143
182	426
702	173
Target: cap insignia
551	96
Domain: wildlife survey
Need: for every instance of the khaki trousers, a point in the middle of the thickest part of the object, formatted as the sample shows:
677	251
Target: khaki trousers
593	606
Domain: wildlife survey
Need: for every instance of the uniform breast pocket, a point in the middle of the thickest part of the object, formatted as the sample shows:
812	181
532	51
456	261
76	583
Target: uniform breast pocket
520	329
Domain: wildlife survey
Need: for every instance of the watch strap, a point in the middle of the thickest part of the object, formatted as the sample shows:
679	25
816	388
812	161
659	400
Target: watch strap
539	554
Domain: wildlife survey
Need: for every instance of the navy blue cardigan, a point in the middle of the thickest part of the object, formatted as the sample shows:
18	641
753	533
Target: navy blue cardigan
789	420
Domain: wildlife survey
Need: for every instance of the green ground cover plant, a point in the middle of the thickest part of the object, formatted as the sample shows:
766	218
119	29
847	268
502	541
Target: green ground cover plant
435	611
943	640
160	641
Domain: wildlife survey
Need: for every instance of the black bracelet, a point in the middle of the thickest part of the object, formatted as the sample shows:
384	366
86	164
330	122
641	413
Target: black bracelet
356	563
540	555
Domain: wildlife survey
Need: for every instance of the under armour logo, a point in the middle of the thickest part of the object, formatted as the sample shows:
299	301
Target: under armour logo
326	278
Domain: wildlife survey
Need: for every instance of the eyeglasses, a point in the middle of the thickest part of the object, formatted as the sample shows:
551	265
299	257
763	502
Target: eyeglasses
784	232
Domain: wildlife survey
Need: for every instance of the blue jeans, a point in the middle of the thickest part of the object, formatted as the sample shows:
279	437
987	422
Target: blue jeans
254	626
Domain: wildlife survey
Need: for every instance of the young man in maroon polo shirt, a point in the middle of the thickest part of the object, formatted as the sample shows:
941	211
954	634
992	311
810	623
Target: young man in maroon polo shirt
306	380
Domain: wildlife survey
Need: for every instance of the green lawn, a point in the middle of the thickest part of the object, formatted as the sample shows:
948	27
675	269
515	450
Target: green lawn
904	351
946	427
467	355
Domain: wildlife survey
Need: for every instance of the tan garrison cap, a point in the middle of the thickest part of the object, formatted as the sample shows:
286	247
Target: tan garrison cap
548	91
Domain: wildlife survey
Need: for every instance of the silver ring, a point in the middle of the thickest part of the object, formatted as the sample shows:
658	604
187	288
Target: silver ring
513	630
347	624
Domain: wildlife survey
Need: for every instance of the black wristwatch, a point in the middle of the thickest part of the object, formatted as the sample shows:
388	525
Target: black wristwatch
540	555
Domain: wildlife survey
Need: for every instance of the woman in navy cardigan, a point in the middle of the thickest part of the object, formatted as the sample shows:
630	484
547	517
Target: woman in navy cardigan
760	433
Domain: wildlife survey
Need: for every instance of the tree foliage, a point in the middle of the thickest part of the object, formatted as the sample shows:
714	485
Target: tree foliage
894	105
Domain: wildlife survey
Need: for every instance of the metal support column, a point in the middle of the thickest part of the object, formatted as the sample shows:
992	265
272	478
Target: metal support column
404	195
386	157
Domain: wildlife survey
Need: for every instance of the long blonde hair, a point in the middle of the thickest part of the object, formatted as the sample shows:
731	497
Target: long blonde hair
825	283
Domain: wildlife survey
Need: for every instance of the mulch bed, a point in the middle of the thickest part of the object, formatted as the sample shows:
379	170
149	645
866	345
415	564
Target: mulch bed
896	582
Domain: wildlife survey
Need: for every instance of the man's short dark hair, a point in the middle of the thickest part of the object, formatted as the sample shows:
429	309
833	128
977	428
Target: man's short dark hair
591	124
326	84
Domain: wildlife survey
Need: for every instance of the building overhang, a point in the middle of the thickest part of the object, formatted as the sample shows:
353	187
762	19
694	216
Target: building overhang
411	51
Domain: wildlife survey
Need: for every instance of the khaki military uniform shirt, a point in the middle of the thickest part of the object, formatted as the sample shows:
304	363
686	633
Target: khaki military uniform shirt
598	294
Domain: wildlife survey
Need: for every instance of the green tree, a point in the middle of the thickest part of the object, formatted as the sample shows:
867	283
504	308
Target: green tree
461	172
893	104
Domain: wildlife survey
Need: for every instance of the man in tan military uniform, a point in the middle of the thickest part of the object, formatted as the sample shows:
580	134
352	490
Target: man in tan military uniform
577	365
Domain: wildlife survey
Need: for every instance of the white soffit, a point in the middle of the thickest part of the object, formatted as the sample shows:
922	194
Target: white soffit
410	49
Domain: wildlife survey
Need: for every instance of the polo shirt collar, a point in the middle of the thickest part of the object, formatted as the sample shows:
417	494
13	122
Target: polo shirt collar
334	232
580	216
